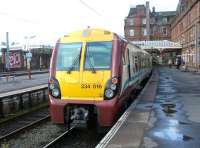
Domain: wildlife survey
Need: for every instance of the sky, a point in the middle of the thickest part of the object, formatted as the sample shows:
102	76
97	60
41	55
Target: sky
47	20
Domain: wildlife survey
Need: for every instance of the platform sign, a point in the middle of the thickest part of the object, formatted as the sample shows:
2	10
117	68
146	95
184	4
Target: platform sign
29	56
15	60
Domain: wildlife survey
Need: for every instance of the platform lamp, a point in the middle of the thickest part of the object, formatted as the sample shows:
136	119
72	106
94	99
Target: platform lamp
7	52
28	54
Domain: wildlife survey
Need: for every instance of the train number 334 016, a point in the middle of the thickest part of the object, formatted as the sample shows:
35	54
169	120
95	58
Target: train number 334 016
91	86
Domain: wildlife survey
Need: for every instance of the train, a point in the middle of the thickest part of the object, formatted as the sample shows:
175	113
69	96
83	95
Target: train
92	75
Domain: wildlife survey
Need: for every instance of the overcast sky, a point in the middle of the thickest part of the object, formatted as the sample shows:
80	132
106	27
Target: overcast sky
49	19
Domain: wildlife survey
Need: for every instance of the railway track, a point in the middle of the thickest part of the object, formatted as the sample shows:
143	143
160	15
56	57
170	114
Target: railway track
86	138
57	140
21	126
48	135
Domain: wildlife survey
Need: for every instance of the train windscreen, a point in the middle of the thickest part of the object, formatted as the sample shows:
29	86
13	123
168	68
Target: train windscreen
69	56
98	55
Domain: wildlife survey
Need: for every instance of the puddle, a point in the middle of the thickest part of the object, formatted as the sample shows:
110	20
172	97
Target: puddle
168	105
169	111
187	138
160	101
167	101
169	108
184	123
148	106
169	115
172	134
175	122
144	106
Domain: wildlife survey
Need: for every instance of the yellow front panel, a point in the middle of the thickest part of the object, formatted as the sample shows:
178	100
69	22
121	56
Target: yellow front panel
83	86
96	82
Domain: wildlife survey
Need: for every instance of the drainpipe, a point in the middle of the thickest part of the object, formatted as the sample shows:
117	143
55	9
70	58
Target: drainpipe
148	20
197	46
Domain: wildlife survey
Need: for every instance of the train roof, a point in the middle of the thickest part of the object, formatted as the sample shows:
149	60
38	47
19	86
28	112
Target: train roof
88	35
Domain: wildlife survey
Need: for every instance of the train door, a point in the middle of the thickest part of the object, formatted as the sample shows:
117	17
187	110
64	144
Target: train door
136	62
96	69
132	62
126	68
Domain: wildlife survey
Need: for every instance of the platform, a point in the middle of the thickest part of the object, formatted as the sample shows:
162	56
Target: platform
167	114
21	82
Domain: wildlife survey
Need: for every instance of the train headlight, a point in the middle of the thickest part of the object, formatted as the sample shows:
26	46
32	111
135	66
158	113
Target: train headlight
113	86
55	92
51	86
54	88
114	80
111	89
109	93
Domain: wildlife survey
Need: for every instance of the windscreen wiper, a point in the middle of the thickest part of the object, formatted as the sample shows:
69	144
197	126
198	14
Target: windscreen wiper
75	61
90	63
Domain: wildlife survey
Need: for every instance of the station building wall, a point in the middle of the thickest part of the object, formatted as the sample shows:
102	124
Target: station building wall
186	30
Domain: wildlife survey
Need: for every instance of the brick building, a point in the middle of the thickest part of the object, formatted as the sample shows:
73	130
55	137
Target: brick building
186	30
142	24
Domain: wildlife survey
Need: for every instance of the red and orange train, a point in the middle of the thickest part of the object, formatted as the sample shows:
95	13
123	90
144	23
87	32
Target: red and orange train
92	73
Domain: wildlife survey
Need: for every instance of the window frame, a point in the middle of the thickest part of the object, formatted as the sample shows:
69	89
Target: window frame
96	69
57	57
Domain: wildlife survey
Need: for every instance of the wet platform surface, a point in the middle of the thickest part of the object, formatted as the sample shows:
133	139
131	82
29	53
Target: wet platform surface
21	82
175	117
167	114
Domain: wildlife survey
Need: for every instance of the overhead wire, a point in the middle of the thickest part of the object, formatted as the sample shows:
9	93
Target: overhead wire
89	7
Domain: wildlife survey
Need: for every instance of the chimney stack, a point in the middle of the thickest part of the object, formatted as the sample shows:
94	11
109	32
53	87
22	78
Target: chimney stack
153	9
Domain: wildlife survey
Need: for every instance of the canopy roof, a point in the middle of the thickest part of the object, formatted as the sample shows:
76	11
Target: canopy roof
158	44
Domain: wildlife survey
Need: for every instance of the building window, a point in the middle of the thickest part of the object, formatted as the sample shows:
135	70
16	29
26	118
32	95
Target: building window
165	20
181	27
164	30
144	31
131	32
144	21
130	22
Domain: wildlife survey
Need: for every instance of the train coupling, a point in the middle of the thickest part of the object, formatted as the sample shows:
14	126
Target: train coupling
79	117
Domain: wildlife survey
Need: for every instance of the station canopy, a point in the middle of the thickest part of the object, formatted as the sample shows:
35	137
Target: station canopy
158	45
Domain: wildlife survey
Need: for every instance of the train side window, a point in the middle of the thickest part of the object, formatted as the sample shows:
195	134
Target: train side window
136	63
128	62
123	59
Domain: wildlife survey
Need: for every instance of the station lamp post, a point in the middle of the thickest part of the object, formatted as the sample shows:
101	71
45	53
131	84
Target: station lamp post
28	54
7	52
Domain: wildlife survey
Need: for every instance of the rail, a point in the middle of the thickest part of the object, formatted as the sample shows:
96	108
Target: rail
22	129
58	139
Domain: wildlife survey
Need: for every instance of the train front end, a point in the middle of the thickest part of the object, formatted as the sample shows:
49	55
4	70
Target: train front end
82	84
